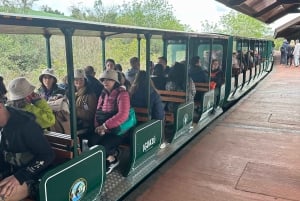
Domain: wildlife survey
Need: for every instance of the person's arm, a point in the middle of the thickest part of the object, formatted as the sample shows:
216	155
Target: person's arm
42	111
38	145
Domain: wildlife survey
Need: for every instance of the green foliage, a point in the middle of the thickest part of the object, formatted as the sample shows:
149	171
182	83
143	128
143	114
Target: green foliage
235	23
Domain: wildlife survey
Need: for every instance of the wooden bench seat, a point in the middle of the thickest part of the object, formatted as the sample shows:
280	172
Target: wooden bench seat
202	86
62	145
171	97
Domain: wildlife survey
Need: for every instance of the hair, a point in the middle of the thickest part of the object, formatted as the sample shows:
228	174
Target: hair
126	83
89	70
3	91
140	81
194	60
176	75
163	58
158	70
118	67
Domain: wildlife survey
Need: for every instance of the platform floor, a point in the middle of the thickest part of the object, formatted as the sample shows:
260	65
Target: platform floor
251	153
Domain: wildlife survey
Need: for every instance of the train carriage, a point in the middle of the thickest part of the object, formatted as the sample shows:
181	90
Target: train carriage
85	172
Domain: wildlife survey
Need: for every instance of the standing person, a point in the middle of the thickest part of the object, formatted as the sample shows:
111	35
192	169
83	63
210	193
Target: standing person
112	110
290	56
22	96
94	84
49	88
283	52
217	79
296	53
3	90
24	153
135	68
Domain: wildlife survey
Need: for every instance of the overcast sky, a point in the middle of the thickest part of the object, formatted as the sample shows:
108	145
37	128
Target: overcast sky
187	11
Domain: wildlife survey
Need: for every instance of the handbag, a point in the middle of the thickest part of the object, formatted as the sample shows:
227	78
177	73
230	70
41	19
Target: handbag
60	104
129	123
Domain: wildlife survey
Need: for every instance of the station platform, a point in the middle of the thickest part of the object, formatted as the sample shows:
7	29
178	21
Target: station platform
251	152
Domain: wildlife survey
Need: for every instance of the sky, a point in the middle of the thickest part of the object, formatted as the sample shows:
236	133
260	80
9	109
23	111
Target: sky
186	10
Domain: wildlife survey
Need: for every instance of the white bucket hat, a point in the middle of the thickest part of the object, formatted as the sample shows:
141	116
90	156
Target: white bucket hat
109	74
79	73
48	71
20	88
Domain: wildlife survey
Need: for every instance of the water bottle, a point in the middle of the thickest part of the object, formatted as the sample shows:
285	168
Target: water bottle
85	146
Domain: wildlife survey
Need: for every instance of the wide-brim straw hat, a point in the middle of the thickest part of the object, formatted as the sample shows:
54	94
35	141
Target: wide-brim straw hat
48	71
20	88
109	74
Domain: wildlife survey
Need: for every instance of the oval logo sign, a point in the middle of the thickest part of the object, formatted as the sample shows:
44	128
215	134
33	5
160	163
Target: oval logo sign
78	189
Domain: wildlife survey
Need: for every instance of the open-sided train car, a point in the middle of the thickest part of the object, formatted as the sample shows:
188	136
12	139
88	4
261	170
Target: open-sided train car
144	153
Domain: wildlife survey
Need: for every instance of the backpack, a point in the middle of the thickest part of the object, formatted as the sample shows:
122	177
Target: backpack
282	49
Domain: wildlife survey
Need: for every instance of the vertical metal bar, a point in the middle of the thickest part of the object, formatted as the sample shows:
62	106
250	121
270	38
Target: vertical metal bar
139	48
48	50
148	69
103	37
68	32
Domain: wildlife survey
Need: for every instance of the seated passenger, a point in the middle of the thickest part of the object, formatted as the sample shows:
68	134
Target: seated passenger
197	72
166	69
22	96
24	154
139	96
112	110
216	75
159	79
110	64
49	87
123	81
93	83
176	82
118	67
85	102
134	69
3	91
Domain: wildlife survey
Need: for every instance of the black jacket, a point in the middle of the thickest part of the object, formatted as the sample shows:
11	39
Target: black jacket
24	150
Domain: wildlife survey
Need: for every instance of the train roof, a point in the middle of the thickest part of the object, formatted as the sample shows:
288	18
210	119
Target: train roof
290	30
266	11
28	24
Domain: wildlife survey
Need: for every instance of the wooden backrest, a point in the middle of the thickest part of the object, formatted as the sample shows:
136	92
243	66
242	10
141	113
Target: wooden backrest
62	145
202	86
172	96
142	114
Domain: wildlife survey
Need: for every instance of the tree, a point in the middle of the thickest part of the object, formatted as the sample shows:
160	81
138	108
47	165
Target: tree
211	27
235	23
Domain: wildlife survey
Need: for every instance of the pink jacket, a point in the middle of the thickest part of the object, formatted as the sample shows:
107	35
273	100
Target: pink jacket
119	97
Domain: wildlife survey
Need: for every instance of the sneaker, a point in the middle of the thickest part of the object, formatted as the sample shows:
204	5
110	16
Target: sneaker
111	165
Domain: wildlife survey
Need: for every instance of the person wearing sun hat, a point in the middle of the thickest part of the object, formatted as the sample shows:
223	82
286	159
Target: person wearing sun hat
22	96
85	103
112	110
49	88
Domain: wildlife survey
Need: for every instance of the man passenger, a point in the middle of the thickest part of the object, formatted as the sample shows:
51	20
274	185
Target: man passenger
24	153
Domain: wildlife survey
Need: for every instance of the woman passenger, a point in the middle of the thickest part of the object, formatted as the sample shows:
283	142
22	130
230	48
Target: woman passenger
112	110
110	64
49	87
85	101
139	96
22	96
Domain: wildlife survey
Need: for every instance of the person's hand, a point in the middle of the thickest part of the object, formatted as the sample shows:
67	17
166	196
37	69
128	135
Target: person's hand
8	186
100	130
